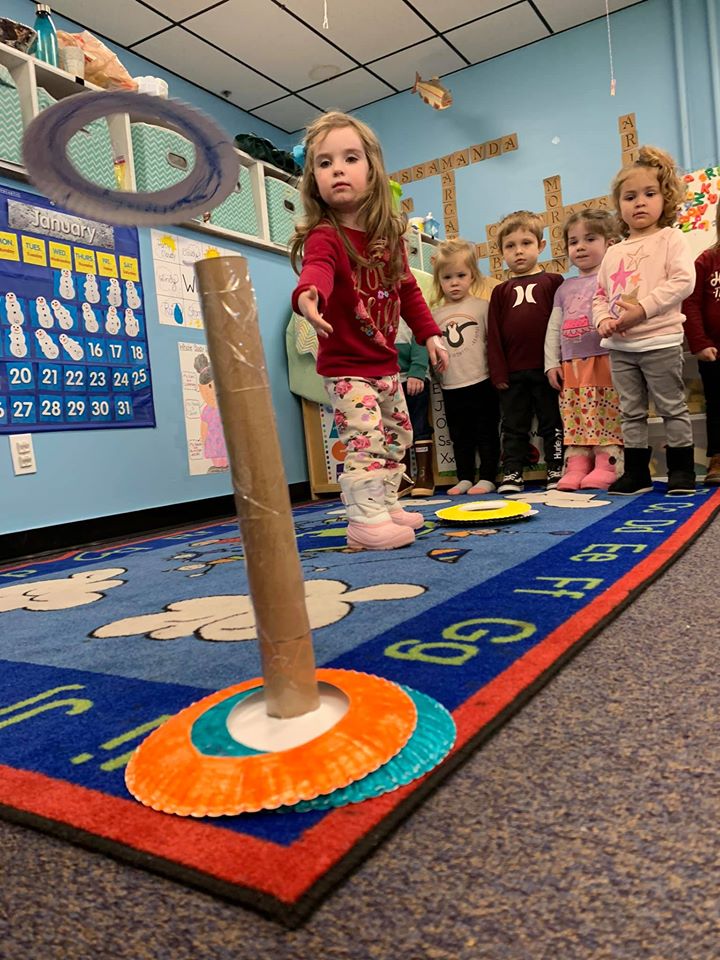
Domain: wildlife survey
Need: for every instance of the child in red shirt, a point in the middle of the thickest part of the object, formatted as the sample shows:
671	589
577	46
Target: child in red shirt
702	329
354	284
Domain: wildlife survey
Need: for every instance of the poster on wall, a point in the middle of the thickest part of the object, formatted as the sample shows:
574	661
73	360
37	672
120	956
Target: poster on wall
73	344
333	448
697	213
174	260
203	428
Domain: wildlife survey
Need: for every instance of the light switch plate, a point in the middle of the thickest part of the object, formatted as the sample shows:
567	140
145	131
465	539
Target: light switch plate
23	454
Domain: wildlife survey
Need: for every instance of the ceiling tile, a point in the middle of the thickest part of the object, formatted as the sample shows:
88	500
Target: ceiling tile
351	90
363	37
176	49
179	9
125	22
289	114
433	58
444	14
498	33
561	15
262	35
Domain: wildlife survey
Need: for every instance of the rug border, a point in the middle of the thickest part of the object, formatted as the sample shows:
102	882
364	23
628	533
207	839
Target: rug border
384	814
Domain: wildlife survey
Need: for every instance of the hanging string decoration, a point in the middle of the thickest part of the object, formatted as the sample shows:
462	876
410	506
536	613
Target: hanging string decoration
612	68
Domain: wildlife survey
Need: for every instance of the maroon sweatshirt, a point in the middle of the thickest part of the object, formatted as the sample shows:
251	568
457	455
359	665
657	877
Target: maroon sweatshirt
702	307
363	311
517	322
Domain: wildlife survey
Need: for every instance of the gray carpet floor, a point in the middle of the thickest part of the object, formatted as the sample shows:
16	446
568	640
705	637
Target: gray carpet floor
587	828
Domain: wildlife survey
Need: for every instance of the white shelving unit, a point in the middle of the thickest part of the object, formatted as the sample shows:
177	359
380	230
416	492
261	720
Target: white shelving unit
29	74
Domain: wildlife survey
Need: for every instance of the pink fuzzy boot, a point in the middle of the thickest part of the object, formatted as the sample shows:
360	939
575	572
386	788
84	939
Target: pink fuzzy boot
605	470
578	467
370	526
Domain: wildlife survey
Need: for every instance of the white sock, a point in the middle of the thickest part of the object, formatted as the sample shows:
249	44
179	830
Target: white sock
462	486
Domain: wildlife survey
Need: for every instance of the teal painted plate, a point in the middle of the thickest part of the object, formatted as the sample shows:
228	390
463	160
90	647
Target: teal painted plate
431	742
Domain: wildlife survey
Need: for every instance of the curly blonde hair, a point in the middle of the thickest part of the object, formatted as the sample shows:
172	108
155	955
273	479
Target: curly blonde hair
653	158
521	220
384	226
445	251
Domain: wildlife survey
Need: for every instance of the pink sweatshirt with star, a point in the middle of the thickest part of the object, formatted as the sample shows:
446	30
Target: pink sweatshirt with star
656	271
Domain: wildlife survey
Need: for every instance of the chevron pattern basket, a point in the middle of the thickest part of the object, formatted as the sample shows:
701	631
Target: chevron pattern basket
284	208
90	150
11	128
428	252
238	211
412	242
162	157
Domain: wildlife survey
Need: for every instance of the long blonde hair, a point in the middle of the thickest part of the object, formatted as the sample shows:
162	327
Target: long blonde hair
384	226
653	158
444	254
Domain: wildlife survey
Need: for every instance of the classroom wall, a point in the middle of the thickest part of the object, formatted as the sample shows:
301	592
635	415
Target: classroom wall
95	473
555	95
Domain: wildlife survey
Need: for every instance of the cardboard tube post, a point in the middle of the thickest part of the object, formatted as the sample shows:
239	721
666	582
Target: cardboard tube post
262	499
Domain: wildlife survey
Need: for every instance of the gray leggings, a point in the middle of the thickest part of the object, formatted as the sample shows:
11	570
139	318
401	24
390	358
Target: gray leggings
656	374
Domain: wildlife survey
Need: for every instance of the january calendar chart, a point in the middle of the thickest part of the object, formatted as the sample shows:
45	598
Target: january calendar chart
73	335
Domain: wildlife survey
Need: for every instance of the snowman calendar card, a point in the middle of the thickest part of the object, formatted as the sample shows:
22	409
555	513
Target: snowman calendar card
73	343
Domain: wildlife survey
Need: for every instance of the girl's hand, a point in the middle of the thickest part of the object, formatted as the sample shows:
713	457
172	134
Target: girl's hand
437	353
607	327
308	307
709	353
414	386
502	386
631	315
554	375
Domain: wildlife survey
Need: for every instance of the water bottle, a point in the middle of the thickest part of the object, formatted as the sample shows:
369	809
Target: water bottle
46	45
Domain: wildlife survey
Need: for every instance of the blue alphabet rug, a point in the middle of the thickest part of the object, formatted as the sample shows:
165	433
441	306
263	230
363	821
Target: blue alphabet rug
99	646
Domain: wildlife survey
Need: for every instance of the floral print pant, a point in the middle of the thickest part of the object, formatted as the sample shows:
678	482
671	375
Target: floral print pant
372	421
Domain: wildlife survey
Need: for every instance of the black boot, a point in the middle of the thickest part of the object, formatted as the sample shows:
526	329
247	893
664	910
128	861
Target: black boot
636	478
424	479
681	471
406	482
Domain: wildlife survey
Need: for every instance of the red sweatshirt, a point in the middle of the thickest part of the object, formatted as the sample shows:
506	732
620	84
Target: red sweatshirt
517	322
702	307
363	312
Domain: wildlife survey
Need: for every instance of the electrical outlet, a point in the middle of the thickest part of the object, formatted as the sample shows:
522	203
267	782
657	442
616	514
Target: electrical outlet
23	455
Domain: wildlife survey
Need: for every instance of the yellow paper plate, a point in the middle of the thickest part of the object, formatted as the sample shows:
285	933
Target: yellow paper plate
486	511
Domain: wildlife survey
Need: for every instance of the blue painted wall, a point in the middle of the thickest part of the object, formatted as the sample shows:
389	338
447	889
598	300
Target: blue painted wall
99	473
558	89
554	90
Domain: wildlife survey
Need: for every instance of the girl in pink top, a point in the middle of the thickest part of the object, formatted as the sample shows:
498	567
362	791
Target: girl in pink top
637	309
354	284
